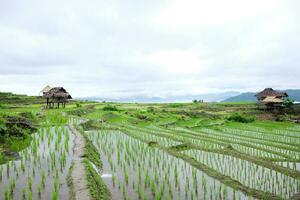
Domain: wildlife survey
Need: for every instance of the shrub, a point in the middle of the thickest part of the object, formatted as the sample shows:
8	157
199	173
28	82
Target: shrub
237	117
150	109
109	116
176	105
2	106
16	126
78	105
110	108
77	112
91	125
27	115
1	157
288	103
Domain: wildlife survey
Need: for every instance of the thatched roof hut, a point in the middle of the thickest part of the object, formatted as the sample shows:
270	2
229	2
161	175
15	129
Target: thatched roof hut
269	92
56	95
270	98
57	92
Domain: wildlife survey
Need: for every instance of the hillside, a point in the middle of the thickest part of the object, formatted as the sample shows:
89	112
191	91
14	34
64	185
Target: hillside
10	98
294	94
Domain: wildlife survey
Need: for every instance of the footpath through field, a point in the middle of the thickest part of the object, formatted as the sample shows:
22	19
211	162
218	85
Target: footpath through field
78	173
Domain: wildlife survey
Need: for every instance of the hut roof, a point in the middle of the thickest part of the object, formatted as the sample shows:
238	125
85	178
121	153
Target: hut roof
57	92
272	99
270	92
46	89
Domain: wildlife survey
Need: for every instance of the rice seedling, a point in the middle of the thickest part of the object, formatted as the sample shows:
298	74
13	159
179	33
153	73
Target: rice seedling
24	193
40	165
155	172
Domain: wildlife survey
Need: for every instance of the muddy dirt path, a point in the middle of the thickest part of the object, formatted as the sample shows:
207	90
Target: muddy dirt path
78	173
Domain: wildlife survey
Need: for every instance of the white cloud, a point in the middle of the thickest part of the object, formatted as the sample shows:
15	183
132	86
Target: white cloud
177	61
159	48
213	12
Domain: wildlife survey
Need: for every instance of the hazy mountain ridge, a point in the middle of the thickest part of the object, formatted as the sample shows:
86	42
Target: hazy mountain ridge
183	98
294	94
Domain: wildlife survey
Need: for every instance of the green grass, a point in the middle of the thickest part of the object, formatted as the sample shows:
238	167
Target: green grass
97	187
191	126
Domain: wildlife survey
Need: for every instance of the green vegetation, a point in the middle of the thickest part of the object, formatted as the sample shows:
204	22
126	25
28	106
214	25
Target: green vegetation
110	108
237	117
97	187
204	137
151	151
10	98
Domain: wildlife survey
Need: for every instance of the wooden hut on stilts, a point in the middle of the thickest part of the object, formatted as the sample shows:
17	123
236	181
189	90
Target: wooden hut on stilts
58	96
271	99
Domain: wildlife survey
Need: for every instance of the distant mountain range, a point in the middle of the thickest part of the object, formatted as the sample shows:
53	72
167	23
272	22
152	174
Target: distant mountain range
294	94
184	98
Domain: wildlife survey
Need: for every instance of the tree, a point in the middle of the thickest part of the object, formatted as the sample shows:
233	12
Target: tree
288	103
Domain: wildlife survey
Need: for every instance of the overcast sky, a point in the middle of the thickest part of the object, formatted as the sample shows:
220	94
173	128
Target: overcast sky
120	48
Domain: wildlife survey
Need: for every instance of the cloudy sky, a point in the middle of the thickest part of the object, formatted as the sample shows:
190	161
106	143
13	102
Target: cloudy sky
155	48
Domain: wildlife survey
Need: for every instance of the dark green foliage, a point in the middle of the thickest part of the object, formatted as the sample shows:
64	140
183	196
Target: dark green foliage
110	108
14	133
151	109
180	147
237	117
152	143
81	110
77	112
1	157
78	105
17	126
281	118
2	106
10	98
197	114
91	125
29	116
143	117
97	187
91	152
288	103
176	105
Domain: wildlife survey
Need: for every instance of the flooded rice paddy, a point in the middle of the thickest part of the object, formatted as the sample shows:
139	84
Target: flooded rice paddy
139	171
42	169
159	163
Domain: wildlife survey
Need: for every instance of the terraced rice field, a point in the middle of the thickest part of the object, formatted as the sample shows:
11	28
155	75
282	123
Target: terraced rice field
155	162
41	170
134	161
